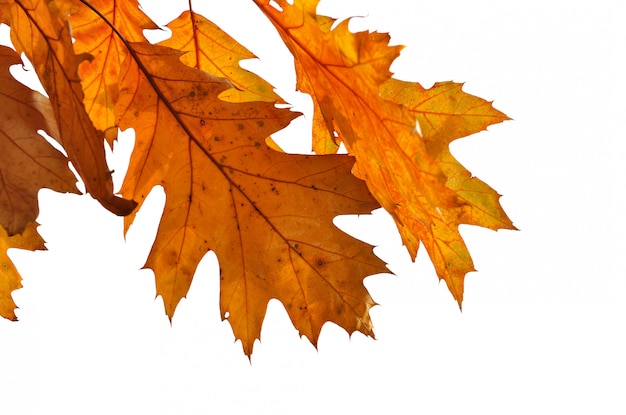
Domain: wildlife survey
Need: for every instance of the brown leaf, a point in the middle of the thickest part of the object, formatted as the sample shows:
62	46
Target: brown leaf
40	30
267	215
10	279
28	162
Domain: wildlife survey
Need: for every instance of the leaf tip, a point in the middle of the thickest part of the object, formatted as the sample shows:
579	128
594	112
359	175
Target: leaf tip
118	205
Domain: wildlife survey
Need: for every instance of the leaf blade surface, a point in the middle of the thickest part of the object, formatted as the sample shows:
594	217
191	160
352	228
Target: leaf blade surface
10	279
28	162
41	31
347	74
266	214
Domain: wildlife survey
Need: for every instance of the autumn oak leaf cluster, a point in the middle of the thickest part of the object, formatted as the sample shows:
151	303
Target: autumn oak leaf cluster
203	128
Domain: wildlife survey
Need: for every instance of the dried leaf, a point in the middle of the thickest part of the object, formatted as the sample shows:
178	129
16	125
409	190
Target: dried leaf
412	176
267	215
445	113
40	30
28	162
96	37
10	279
210	49
203	126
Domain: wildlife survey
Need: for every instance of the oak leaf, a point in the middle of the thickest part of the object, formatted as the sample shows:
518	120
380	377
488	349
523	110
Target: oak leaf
445	113
267	215
106	50
210	49
10	279
40	30
203	128
28	162
411	175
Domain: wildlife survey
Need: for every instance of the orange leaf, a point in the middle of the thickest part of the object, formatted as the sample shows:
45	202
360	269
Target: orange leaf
445	113
210	49
96	38
418	182
267	215
5	12
28	162
10	279
40	30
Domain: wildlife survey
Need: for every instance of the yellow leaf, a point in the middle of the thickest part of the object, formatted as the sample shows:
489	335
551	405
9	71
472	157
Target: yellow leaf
445	113
10	279
210	49
96	38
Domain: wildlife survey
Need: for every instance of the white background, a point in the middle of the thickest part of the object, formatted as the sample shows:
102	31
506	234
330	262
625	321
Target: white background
542	329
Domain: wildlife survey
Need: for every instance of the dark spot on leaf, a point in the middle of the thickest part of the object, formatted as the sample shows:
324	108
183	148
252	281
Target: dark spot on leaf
192	94
202	122
260	123
240	126
320	263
